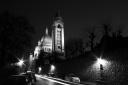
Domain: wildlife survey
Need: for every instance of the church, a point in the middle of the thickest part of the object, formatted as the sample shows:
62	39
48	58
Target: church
52	42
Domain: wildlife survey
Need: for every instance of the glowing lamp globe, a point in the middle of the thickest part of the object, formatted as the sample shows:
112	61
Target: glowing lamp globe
52	67
40	68
101	61
21	62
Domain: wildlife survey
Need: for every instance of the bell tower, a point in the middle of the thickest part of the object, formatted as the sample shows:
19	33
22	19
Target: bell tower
58	34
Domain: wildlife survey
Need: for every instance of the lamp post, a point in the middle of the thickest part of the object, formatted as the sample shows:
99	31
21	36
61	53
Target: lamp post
101	62
52	70
101	72
20	63
103	66
40	69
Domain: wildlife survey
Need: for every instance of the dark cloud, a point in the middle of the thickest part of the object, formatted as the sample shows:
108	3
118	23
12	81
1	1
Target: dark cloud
76	14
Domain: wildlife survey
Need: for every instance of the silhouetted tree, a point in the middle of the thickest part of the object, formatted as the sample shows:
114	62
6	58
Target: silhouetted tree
15	37
92	37
74	48
118	33
107	28
103	45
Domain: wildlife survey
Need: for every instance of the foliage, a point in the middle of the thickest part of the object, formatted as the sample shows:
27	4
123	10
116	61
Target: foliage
92	37
15	37
74	47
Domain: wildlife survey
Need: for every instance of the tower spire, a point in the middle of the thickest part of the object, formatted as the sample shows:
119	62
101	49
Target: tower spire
58	15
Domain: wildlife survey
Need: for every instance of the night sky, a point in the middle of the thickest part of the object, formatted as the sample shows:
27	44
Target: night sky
77	15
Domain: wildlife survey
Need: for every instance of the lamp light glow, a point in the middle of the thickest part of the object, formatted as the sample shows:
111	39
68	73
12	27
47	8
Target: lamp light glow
20	63
101	61
52	68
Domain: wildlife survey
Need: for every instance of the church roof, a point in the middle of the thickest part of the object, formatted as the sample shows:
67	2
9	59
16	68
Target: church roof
47	39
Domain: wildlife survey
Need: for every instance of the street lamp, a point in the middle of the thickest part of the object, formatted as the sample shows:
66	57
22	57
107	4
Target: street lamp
101	63
20	63
40	69
101	68
52	69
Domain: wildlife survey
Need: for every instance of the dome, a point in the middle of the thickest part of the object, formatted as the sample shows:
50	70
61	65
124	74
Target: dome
47	40
47	44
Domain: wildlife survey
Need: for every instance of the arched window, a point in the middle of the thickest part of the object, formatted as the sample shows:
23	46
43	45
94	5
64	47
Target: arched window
59	26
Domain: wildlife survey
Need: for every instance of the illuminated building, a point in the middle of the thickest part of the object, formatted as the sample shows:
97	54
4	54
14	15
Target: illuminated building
51	46
58	35
47	42
55	42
